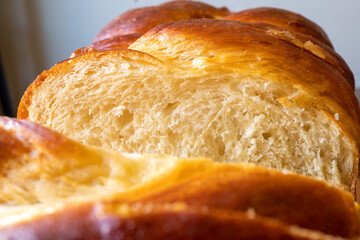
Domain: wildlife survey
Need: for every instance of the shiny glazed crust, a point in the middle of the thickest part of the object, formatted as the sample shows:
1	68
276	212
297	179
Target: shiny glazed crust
178	221
126	28
111	43
141	20
290	198
284	19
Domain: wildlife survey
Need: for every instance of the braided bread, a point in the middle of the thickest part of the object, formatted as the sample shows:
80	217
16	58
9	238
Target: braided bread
261	92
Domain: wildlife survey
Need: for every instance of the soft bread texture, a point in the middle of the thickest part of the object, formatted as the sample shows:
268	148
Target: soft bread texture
50	181
227	90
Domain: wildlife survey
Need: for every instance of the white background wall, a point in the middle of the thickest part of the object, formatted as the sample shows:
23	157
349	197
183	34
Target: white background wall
36	34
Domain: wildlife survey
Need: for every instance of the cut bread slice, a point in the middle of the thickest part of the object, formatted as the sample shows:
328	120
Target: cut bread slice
49	179
234	92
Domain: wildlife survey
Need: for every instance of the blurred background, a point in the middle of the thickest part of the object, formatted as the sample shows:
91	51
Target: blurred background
36	34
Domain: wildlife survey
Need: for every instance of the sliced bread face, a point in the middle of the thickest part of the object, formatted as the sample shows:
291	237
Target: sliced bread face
234	93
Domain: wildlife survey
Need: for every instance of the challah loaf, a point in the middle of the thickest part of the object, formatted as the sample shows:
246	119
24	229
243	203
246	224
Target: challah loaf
275	96
227	90
55	188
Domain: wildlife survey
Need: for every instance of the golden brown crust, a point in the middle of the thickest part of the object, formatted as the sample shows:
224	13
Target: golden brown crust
141	20
19	137
290	198
316	47
296	24
302	28
81	51
178	221
25	144
284	19
126	28
111	43
121	41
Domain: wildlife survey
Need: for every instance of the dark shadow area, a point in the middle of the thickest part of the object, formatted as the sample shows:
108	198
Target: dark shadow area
6	87
5	101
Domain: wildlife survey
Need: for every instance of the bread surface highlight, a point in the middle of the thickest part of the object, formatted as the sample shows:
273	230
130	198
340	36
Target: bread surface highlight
227	90
49	181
